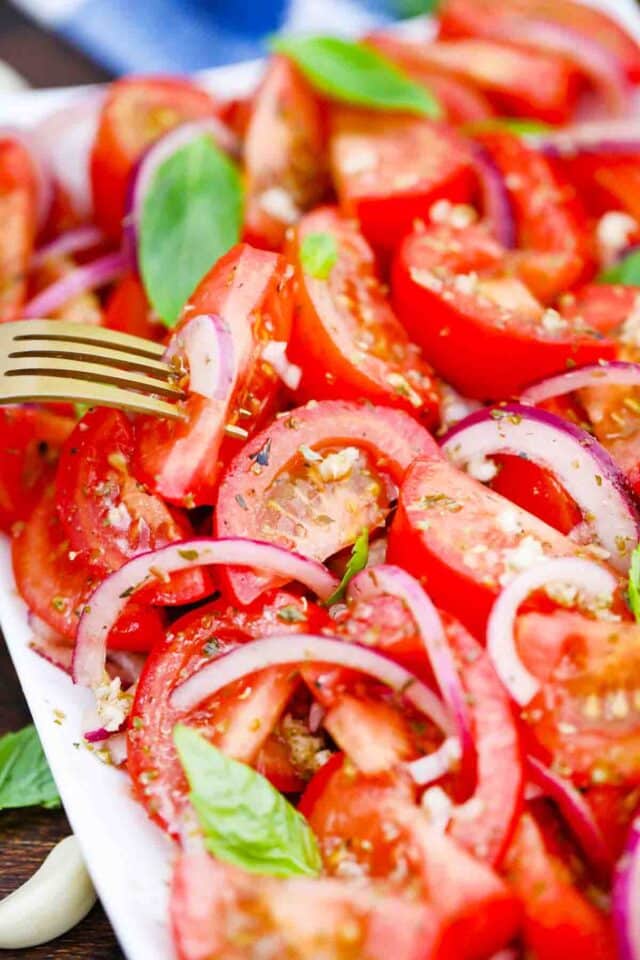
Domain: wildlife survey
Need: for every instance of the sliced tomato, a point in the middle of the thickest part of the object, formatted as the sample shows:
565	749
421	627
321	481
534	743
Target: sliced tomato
556	251
492	18
107	515
31	442
285	154
536	490
313	479
369	826
613	809
559	921
128	310
136	112
449	533
219	912
502	73
181	460
585	717
390	170
18	203
451	294
56	583
345	336
239	720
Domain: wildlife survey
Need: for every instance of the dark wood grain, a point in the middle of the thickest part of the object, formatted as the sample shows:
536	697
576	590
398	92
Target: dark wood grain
26	836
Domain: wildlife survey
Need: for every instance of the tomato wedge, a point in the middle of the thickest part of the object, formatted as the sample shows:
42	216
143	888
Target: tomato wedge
369	827
345	336
313	479
136	112
181	460
391	169
229	719
285	154
536	490
56	583
128	310
463	541
586	717
18	201
559	920
214	906
451	276
107	515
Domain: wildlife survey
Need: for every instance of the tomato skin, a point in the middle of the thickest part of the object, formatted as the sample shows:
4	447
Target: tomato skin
411	163
56	585
128	310
157	776
496	321
18	200
107	515
490	18
286	148
31	442
136	112
390	438
345	336
181	460
537	491
559	921
442	515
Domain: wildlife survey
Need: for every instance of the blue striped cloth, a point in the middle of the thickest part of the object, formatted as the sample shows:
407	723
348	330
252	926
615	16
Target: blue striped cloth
188	35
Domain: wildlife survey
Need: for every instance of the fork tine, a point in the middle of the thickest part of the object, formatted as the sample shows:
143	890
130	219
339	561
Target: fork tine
80	370
42	388
78	351
59	330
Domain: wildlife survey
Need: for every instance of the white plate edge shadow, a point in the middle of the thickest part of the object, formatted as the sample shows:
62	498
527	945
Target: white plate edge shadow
128	857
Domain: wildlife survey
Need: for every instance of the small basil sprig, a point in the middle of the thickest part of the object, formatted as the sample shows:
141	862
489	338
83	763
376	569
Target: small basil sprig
357	74
191	216
357	562
633	588
25	778
626	271
245	821
318	254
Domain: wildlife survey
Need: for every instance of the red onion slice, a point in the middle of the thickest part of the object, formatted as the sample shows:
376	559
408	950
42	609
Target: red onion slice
97	274
586	577
73	241
306	648
577	814
616	373
435	765
154	157
207	344
583	467
395	582
626	892
109	600
495	197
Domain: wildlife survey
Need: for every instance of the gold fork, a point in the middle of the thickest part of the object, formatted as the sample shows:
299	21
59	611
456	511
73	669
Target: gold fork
45	360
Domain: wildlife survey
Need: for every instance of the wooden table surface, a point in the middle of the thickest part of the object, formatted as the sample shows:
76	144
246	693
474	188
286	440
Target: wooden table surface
27	836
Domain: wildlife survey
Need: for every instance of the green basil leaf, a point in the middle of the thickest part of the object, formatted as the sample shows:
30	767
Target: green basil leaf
357	562
25	778
350	71
191	216
414	8
626	272
245	821
633	589
318	254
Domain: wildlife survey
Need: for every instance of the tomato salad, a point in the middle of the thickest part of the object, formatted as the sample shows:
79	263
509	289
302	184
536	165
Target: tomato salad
361	625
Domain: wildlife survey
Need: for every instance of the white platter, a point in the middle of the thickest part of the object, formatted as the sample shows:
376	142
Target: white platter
128	857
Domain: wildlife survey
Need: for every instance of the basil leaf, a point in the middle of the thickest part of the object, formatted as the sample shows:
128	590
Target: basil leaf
244	819
350	71
318	254
357	562
413	8
191	216
25	778
626	272
633	589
